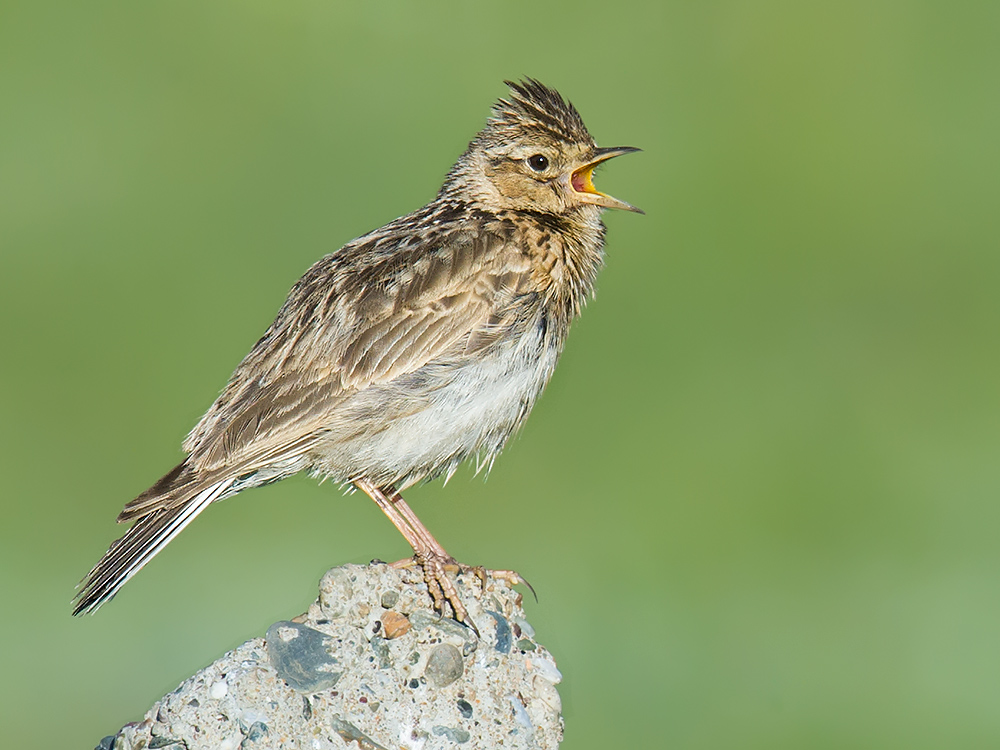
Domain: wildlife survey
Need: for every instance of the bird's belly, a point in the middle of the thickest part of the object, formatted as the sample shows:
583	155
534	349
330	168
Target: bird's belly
426	423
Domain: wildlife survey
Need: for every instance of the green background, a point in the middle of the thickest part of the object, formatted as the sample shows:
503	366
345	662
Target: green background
759	500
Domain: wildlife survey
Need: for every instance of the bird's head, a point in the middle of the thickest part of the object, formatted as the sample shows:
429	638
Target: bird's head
534	154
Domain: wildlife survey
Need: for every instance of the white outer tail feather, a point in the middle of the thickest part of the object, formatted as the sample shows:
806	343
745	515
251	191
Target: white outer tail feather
191	509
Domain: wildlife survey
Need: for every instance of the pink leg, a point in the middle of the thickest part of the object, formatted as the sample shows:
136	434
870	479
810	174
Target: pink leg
415	522
428	552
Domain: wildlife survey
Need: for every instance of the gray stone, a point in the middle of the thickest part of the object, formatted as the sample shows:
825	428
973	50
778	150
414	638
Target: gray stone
444	665
503	635
254	732
350	733
381	648
421	619
389	599
459	736
447	628
300	657
521	716
430	691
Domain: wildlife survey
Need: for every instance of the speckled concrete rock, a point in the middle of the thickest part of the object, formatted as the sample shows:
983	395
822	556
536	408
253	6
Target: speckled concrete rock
370	664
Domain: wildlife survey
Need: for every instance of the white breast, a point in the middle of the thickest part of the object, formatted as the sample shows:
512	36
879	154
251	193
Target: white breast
455	412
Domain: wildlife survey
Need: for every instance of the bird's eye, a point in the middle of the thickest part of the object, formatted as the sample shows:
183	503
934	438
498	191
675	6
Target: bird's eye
538	163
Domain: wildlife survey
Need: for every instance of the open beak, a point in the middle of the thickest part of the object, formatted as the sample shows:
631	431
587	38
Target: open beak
582	180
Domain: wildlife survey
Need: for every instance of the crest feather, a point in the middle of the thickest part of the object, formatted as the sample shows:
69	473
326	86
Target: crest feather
534	106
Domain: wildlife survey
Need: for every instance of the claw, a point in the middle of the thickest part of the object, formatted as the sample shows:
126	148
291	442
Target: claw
442	589
513	578
432	558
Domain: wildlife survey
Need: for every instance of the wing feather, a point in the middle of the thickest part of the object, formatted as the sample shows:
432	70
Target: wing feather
363	316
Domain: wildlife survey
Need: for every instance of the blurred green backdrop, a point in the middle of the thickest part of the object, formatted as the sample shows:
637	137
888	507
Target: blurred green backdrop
759	500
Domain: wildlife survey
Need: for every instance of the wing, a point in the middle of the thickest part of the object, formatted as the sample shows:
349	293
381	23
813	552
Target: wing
376	310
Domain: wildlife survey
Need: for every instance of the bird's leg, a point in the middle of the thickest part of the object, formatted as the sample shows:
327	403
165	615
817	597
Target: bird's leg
407	512
428	552
409	533
511	576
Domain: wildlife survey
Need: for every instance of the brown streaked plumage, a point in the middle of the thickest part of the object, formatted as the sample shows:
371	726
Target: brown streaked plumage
410	349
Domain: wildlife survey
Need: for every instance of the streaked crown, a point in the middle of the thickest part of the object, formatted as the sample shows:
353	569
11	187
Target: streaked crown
534	155
534	109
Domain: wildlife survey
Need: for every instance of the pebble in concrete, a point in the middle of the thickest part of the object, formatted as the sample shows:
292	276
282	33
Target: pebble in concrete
301	657
444	665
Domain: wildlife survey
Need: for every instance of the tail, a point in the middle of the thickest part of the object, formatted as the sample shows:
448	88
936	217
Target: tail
162	511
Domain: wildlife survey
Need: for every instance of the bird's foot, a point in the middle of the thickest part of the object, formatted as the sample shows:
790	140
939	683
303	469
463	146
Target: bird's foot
442	588
512	577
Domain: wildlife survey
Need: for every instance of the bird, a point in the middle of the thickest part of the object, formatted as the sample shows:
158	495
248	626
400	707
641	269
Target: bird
410	349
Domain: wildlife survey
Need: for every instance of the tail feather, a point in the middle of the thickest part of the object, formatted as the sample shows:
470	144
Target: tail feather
177	482
150	534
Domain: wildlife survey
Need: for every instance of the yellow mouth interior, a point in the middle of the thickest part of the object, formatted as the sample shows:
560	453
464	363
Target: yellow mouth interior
583	180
